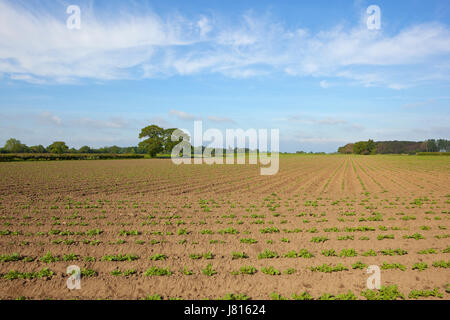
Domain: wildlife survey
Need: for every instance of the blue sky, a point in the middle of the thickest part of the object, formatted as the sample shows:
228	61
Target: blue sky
309	68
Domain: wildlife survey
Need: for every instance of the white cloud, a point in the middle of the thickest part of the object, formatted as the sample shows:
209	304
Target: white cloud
220	119
36	46
331	121
324	84
307	119
112	123
183	115
159	121
49	118
419	104
204	25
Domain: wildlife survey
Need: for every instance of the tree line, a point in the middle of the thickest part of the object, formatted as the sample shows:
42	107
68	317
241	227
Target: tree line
60	147
156	141
396	147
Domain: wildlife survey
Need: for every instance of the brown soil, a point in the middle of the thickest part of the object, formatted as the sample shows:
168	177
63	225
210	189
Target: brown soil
157	198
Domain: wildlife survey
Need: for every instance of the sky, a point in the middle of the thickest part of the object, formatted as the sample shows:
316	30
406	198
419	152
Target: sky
311	69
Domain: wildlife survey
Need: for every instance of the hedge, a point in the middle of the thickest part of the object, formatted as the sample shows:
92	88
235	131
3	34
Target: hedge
66	156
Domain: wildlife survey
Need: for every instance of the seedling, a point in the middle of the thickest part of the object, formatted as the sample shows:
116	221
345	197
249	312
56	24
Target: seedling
329	269
49	258
416	236
303	253
276	296
329	253
420	266
319	239
289	271
249	241
248	270
359	265
238	255
370	253
391	252
232	296
441	264
209	271
187	272
155	271
120	257
267	254
271	271
302	296
385	293
415	294
9	258
44	273
386	266
348	253
158	256
344	296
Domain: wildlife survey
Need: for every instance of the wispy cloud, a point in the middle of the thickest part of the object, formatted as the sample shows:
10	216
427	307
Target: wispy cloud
49	118
183	115
204	26
112	123
160	121
36	46
220	119
331	121
324	84
419	104
307	119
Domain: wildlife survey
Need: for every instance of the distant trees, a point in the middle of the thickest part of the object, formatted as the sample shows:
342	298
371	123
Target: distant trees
365	147
396	147
58	147
15	146
85	149
347	149
432	146
443	145
38	149
158	140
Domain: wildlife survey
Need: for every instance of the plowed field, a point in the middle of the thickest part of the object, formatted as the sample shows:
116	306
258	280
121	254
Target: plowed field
200	231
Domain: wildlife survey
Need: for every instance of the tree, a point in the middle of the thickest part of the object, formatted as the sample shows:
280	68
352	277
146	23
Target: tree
114	149
442	144
167	137
15	146
155	140
431	146
371	147
159	140
347	149
85	149
38	149
365	147
359	147
58	147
